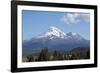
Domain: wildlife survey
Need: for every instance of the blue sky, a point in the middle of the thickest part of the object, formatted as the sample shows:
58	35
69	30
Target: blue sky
37	22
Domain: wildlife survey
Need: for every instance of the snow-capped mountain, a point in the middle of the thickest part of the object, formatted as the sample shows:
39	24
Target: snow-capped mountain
55	39
53	32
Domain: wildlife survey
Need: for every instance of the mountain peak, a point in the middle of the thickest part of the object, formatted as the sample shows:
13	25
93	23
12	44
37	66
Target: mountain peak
52	28
53	32
74	35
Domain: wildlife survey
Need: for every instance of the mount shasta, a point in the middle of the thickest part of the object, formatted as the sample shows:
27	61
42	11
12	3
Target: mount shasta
55	39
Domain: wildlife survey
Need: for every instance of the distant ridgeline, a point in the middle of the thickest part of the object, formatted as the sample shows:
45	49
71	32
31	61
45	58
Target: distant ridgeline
65	44
55	39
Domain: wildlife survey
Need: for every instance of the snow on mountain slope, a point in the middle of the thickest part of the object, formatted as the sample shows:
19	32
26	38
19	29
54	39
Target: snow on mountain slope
55	39
74	36
53	32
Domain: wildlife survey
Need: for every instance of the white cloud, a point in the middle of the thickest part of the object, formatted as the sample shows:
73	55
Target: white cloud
74	18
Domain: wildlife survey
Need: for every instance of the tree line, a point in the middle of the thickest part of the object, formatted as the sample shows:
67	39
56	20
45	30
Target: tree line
45	55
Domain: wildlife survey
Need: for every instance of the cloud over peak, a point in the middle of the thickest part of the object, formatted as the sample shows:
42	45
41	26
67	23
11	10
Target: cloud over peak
74	18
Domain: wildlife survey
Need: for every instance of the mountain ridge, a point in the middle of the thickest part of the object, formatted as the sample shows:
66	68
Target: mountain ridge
55	32
55	39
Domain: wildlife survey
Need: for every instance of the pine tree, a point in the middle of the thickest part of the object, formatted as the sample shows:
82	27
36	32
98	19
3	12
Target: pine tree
44	55
87	54
30	58
55	55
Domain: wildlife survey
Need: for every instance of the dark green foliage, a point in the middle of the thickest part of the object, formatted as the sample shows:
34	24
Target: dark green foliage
60	56
87	55
74	56
57	56
30	58
44	55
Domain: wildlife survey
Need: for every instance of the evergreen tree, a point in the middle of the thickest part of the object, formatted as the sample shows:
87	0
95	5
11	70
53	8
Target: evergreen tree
87	54
60	56
55	55
44	55
30	58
